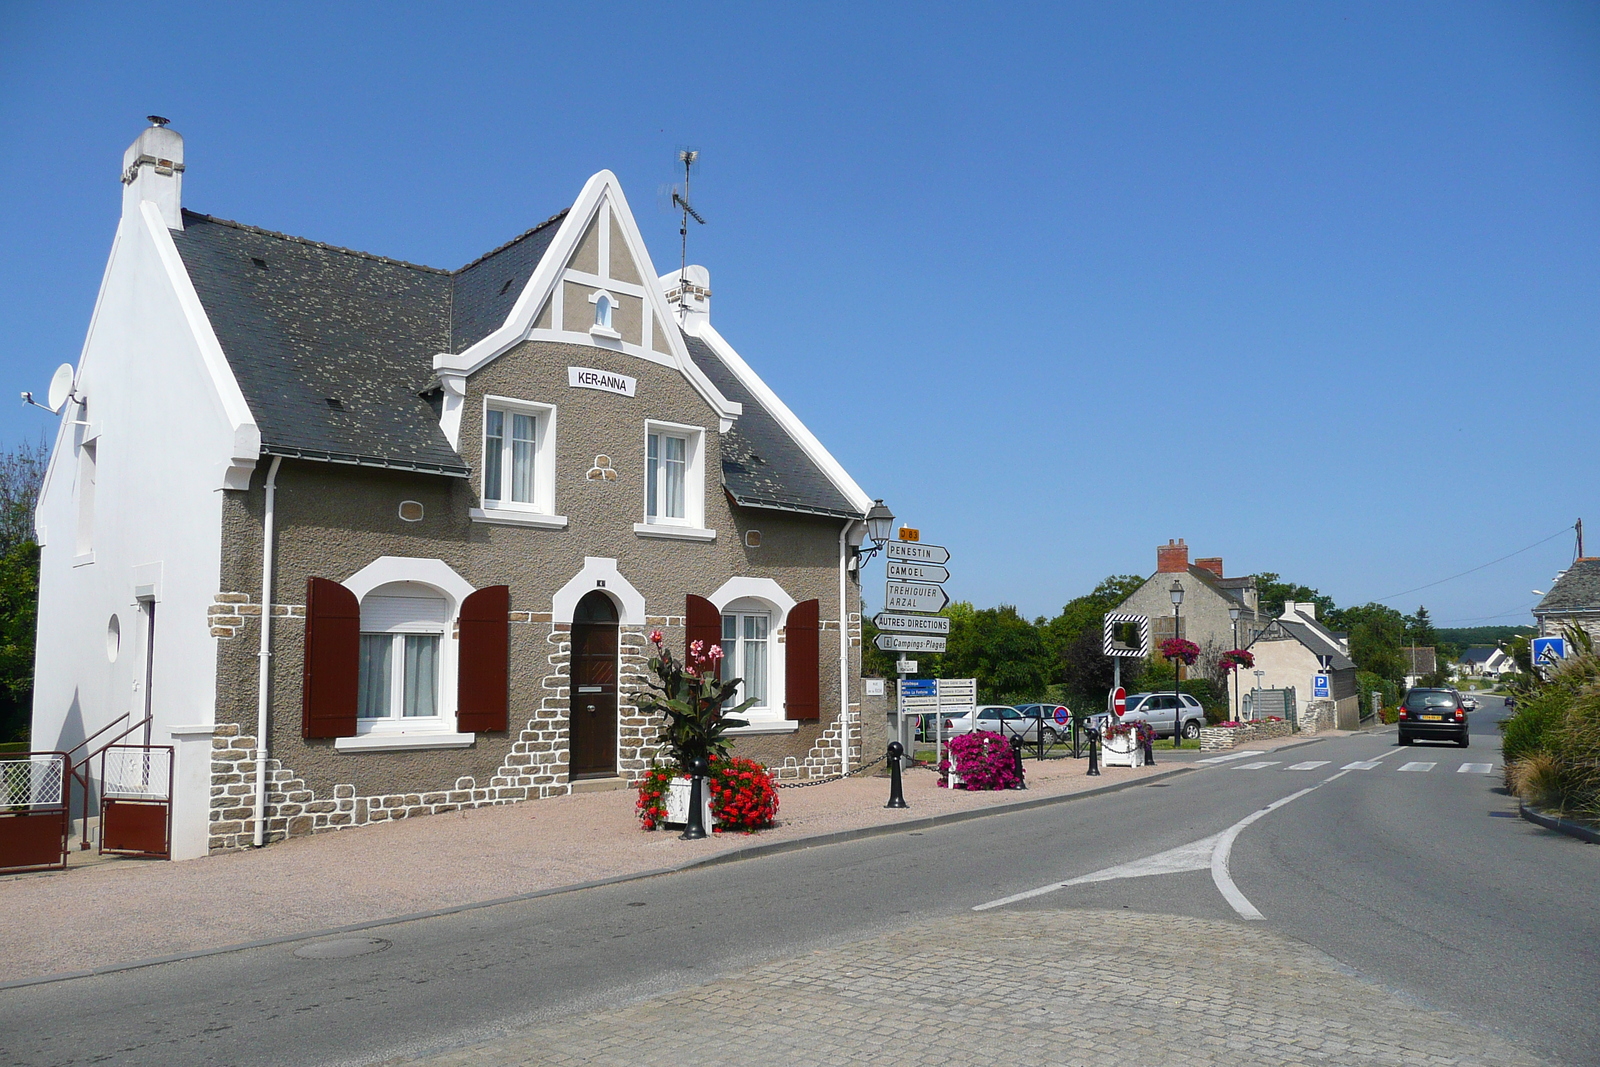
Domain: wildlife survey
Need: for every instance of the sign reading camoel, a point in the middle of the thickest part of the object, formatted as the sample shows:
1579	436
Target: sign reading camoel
608	381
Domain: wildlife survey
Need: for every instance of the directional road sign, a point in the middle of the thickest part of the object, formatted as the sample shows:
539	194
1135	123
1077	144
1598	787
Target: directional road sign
1547	650
909	596
917	572
919	693
912	624
909	643
916	552
1319	685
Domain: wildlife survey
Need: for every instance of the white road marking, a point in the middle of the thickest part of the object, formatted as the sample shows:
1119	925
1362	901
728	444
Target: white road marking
1308	765
1475	768
1360	765
1229	756
1258	765
1195	856
1219	858
1423	767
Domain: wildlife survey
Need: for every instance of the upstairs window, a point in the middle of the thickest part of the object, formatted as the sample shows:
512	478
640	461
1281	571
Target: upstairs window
518	468
668	466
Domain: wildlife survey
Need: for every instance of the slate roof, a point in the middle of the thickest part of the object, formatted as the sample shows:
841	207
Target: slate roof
1315	637
1477	654
1577	590
332	348
1420	660
484	290
762	466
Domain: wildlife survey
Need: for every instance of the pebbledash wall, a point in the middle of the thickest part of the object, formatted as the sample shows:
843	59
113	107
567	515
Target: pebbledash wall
334	520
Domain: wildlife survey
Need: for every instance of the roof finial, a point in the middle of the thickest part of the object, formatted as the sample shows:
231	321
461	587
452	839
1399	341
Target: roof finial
157	120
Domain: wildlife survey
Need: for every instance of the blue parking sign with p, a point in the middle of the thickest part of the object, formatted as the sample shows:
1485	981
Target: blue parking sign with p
1319	685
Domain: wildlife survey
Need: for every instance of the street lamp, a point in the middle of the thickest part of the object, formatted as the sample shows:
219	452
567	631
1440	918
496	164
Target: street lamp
1233	613
880	524
1177	699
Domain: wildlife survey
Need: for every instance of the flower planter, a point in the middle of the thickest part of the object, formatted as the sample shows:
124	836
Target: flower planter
1124	751
678	803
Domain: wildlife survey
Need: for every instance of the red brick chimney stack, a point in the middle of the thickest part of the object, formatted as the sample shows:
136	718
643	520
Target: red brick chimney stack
1172	557
1210	563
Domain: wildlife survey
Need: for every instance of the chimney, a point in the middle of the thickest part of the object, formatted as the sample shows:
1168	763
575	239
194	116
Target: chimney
152	169
1172	557
690	301
1210	563
1303	608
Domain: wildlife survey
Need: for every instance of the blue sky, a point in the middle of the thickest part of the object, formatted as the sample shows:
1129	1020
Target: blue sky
1313	287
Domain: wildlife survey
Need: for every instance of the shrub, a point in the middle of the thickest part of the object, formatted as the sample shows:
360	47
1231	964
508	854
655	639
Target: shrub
1552	744
983	759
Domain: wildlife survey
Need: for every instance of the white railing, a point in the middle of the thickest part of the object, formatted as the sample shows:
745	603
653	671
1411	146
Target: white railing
133	771
36	780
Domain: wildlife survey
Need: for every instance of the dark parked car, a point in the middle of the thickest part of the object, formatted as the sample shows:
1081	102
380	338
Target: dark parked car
1433	715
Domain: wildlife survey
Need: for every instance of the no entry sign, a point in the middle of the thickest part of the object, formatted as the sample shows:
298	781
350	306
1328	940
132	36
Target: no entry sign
1119	700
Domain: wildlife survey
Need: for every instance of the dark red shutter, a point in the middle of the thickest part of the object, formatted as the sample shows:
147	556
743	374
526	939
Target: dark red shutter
333	650
802	647
703	622
484	670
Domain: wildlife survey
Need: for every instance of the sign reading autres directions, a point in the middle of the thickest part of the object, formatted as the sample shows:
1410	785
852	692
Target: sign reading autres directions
912	624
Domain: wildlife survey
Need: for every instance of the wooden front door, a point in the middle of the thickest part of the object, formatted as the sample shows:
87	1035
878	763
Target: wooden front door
593	700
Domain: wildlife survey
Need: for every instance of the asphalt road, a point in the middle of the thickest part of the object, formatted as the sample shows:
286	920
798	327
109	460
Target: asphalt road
1415	878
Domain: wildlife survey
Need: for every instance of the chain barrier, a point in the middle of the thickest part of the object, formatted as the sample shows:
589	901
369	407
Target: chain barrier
832	778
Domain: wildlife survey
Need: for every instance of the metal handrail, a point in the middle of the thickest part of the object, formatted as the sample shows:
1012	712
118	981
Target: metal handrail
79	771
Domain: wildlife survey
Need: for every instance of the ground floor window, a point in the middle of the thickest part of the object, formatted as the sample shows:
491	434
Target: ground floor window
746	648
402	629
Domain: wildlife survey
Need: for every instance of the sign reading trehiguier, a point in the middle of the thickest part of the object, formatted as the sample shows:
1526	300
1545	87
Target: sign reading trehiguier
912	596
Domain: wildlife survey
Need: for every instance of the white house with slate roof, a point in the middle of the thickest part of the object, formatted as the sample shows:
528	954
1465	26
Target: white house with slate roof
1574	600
1293	649
365	540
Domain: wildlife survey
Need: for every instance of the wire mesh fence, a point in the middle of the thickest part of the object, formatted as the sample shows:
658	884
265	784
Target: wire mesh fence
37	779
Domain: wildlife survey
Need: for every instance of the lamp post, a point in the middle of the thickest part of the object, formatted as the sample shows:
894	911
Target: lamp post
1177	699
880	526
1233	614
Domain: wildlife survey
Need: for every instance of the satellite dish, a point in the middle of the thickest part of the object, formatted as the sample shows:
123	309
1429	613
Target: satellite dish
61	387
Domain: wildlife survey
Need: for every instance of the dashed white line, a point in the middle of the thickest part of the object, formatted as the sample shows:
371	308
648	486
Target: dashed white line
1423	767
1308	765
1475	768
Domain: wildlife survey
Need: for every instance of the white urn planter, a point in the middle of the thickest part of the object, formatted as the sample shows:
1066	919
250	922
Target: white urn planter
1123	751
678	803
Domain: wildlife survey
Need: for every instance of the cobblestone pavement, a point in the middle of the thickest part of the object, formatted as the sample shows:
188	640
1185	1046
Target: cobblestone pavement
1080	988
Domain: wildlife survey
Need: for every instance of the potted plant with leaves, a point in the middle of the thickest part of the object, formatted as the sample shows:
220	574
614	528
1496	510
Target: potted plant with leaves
692	702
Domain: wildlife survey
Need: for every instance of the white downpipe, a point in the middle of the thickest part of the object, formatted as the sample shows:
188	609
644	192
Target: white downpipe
844	649
265	656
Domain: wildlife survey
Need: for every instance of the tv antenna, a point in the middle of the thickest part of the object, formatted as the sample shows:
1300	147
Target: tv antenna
688	157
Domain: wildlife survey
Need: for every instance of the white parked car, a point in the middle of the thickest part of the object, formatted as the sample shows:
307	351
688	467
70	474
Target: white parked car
999	718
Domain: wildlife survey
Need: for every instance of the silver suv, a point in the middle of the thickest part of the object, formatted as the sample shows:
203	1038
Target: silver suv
1159	710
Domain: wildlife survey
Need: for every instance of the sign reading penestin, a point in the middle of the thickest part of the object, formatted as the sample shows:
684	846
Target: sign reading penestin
908	596
916	552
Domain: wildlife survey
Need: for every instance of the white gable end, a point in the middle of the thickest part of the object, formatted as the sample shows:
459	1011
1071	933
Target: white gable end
590	288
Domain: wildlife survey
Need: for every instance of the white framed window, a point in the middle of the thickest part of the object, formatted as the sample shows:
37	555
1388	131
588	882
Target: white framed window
604	304
518	469
602	311
403	625
674	489
747	649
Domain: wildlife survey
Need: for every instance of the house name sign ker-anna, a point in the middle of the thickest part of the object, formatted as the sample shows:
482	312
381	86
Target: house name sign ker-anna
607	381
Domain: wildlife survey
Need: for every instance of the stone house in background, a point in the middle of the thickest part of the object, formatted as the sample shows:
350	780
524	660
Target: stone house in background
1574	600
1203	617
418	523
1420	662
1291	650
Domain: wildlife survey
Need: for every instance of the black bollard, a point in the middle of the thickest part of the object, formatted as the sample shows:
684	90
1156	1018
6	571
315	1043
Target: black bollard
1094	752
694	827
1016	759
1149	747
897	798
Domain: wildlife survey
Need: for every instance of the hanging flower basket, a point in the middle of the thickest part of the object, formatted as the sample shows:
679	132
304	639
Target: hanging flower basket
1236	658
1180	648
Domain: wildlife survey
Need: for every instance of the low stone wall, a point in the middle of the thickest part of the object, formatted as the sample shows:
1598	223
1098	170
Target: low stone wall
1221	738
1318	715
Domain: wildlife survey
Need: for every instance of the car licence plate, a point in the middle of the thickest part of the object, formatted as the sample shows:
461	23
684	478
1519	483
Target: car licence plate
1433	718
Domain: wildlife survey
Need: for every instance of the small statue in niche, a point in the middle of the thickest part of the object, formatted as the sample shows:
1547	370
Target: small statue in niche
602	470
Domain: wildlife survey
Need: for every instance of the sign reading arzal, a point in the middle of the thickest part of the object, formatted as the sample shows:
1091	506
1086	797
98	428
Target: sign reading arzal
917	572
909	596
914	552
912	624
605	380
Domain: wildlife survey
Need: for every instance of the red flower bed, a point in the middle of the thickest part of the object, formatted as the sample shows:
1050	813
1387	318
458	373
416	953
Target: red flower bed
743	796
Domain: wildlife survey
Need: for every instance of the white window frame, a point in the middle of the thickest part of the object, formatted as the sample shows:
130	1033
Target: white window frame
541	511
444	700
691	525
733	661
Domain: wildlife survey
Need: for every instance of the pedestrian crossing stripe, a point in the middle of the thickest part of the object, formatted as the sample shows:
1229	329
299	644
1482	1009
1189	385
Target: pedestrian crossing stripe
1361	765
1475	768
1308	765
1423	767
1260	765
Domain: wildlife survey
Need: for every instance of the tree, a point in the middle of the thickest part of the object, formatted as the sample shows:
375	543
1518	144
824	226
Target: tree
1377	634
1271	593
1005	652
21	473
1419	629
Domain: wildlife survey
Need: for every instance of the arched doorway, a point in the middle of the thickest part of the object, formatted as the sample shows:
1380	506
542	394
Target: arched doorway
592	712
